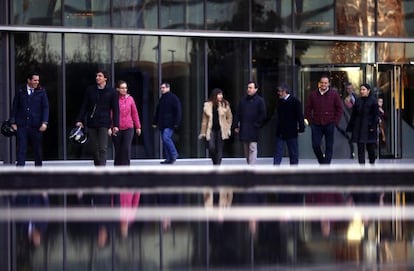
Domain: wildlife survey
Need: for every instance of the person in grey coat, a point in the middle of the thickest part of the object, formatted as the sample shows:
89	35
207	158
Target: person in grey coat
250	117
364	124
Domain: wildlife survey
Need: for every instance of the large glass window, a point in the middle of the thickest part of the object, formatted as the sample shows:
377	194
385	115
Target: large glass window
272	16
271	66
332	52
228	69
314	16
182	64
135	59
84	54
88	13
228	15
186	14
355	17
36	12
40	52
135	14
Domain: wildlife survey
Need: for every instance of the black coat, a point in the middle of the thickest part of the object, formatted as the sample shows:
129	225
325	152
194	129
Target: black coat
290	118
168	112
364	120
30	110
250	117
97	107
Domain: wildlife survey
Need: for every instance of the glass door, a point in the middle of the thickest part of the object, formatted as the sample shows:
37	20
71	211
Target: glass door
388	87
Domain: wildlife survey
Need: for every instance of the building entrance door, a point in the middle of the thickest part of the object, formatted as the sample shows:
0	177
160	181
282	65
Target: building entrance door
389	90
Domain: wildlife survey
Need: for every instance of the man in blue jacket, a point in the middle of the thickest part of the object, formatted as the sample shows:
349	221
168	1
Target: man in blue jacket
250	117
30	116
167	118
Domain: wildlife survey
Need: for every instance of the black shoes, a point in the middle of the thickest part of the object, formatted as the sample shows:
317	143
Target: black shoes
167	162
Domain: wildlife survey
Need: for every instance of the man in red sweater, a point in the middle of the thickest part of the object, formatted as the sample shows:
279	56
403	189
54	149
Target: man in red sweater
323	112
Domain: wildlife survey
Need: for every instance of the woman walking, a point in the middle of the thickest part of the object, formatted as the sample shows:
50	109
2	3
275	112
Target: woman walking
364	124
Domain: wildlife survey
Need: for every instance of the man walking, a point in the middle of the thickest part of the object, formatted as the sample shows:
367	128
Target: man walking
30	116
290	122
167	118
99	102
250	117
323	112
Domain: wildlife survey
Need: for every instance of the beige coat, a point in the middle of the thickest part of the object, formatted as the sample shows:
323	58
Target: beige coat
225	119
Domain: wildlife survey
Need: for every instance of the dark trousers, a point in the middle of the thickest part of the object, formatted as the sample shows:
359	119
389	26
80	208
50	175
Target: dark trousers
215	147
26	135
318	132
371	149
293	149
98	138
122	145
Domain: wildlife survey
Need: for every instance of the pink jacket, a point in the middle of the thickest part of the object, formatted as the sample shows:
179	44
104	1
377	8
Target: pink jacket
128	113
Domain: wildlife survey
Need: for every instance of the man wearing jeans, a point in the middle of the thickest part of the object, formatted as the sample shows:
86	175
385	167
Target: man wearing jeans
290	123
167	118
323	112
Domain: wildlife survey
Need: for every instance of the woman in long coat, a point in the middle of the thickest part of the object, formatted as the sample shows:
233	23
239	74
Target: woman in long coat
364	124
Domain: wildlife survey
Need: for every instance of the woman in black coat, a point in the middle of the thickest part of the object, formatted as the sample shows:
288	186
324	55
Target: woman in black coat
364	124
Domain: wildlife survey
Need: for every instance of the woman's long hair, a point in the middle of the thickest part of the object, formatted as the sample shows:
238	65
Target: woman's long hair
213	98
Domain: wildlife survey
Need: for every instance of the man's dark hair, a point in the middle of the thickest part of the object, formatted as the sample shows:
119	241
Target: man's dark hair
31	74
104	72
166	84
253	82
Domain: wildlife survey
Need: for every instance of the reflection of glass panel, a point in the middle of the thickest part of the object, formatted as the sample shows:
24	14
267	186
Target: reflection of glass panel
41	52
135	62
391	52
134	14
271	16
271	63
408	17
84	54
355	17
314	16
228	15
182	14
87	13
323	52
228	69
183	66
36	12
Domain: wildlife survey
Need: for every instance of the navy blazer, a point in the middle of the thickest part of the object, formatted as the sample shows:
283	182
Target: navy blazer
30	110
290	118
250	117
168	112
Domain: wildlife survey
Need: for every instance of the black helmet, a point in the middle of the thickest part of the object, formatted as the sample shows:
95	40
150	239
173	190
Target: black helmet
7	130
77	135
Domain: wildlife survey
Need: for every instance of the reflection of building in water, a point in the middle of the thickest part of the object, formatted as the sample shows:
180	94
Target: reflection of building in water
357	18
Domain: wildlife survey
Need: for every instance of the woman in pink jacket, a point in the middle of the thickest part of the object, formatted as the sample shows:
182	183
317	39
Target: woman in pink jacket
129	124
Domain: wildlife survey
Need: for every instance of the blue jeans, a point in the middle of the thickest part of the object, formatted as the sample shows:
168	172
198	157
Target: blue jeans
319	131
170	151
293	149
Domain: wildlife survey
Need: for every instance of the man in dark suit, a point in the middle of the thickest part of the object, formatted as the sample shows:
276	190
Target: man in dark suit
250	117
30	116
290	123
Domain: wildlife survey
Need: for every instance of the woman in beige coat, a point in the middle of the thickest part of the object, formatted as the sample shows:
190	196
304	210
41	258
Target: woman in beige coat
216	127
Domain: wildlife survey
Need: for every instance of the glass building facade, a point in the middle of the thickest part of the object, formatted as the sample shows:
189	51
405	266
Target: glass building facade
198	45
